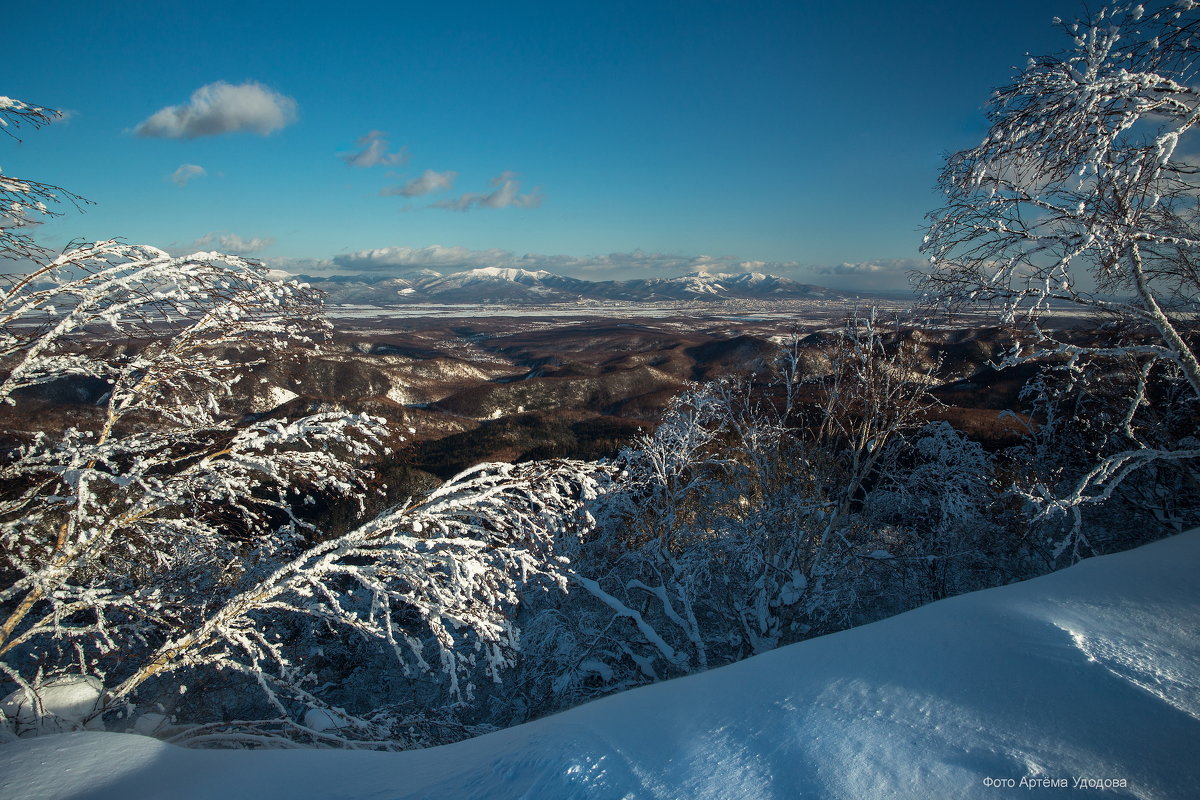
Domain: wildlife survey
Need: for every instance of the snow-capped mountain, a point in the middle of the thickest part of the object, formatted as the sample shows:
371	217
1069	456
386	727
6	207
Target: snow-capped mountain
492	274
711	286
502	285
520	286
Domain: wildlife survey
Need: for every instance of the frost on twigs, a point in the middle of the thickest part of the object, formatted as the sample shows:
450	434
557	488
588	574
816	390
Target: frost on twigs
128	529
1084	194
430	585
1082	191
161	543
23	202
150	556
184	311
158	547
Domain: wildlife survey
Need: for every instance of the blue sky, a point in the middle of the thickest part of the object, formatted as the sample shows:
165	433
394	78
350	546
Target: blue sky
608	139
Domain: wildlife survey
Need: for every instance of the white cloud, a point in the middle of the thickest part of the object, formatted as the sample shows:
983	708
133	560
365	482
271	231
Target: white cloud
889	266
185	173
888	274
232	243
436	257
222	108
864	268
428	183
374	152
507	193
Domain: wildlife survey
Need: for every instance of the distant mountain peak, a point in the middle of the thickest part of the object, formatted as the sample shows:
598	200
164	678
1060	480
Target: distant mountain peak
516	286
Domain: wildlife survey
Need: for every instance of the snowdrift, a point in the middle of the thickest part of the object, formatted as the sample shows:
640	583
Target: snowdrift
1084	683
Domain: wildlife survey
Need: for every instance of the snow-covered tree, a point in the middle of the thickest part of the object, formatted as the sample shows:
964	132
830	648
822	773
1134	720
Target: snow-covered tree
1084	193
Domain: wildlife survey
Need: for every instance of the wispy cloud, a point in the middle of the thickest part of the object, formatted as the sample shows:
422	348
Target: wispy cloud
222	108
373	152
429	183
507	193
185	173
232	243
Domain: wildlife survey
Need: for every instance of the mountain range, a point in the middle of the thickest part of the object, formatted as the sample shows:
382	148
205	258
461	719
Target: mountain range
526	287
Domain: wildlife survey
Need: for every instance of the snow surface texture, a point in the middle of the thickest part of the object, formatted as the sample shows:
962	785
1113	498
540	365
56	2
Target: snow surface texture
1089	674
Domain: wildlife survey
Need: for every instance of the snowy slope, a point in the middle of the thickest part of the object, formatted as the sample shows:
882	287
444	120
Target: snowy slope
1090	673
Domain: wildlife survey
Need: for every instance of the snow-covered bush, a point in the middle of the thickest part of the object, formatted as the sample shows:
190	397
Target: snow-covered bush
938	501
734	527
384	630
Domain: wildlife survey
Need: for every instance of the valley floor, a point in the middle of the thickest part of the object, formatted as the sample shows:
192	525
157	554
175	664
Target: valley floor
1082	683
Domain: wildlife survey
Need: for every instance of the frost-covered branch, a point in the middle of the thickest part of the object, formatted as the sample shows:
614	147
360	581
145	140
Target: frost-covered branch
23	201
